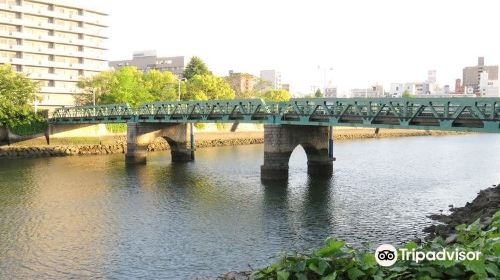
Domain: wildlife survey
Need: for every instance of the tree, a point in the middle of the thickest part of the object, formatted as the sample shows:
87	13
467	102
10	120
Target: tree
407	94
276	95
196	66
162	86
125	85
17	95
208	87
318	93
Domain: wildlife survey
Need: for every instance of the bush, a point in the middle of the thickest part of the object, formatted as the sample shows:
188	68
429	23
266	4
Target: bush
336	260
116	127
36	126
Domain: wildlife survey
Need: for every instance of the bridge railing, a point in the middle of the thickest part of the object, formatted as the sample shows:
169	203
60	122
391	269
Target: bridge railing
478	114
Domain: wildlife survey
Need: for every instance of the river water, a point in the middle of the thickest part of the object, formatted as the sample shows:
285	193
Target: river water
94	217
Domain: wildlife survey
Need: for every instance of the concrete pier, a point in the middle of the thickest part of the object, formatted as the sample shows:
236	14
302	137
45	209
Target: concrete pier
281	140
140	135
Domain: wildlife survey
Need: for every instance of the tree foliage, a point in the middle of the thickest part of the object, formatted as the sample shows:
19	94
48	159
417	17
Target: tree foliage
129	85
407	94
208	87
196	66
17	95
276	95
318	93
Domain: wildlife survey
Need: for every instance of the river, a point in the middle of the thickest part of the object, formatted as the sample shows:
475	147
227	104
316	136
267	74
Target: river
94	217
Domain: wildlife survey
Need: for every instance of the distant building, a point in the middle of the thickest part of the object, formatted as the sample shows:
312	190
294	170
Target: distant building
488	87
272	78
431	76
285	87
373	91
331	92
446	89
148	60
458	87
55	43
241	83
472	75
398	89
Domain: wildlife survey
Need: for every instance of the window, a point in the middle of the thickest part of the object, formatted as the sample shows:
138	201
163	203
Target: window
36	57
36	31
67	72
36	44
66	48
36	19
67	23
8	41
66	35
67	11
8	28
7	54
62	84
35	5
36	70
8	15
66	59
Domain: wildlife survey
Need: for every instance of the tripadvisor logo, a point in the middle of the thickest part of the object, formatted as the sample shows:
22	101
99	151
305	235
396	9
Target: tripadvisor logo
387	255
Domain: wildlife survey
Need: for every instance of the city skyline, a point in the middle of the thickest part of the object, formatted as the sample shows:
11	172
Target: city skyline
405	39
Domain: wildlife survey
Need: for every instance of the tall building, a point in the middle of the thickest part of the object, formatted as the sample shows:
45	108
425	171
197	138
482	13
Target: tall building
472	74
458	87
241	83
53	42
432	76
488	87
272	77
148	60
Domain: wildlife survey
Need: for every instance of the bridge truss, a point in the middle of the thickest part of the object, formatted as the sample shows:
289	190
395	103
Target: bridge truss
459	114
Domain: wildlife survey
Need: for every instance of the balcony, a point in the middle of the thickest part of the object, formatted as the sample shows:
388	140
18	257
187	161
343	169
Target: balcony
44	50
60	90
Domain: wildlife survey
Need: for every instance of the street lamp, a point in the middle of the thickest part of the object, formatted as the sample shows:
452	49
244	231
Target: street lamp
179	88
325	70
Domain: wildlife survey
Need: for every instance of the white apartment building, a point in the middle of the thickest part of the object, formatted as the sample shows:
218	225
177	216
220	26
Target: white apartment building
487	87
273	77
53	42
373	91
398	89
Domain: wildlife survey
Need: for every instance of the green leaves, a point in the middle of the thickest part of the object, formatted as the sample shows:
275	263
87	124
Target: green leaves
17	96
336	260
196	66
276	95
208	87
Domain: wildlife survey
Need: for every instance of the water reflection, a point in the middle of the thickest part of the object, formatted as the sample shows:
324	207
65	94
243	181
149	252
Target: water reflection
91	217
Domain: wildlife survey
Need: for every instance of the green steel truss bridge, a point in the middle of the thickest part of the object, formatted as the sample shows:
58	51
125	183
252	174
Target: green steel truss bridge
458	114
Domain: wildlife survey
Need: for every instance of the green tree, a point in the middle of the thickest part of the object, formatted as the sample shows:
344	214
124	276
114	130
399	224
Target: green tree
17	95
97	86
196	66
125	85
318	93
407	94
162	86
276	95
208	87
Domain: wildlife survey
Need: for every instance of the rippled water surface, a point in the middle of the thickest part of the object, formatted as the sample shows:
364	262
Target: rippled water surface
81	217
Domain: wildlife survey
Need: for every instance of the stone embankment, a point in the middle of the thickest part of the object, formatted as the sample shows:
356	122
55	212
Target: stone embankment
117	144
483	207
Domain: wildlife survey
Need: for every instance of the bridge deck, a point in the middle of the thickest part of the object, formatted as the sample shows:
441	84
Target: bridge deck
460	114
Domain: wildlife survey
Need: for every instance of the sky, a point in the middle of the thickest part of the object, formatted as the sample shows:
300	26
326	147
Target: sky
364	42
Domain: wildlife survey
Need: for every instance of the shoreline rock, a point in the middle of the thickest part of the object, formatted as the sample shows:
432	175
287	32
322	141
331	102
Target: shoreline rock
483	207
119	144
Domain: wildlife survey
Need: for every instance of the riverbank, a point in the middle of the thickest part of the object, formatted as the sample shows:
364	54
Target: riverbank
485	207
73	146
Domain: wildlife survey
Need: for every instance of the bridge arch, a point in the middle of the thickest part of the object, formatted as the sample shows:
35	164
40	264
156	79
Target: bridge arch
141	135
281	140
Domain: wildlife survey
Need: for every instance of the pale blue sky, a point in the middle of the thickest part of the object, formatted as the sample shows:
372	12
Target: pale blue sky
365	41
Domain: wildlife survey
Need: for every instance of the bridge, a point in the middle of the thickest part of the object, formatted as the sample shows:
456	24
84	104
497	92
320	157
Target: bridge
287	124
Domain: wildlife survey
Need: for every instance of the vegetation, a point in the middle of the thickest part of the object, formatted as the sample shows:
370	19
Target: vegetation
196	66
17	96
336	260
318	93
129	85
276	95
208	87
407	94
116	127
